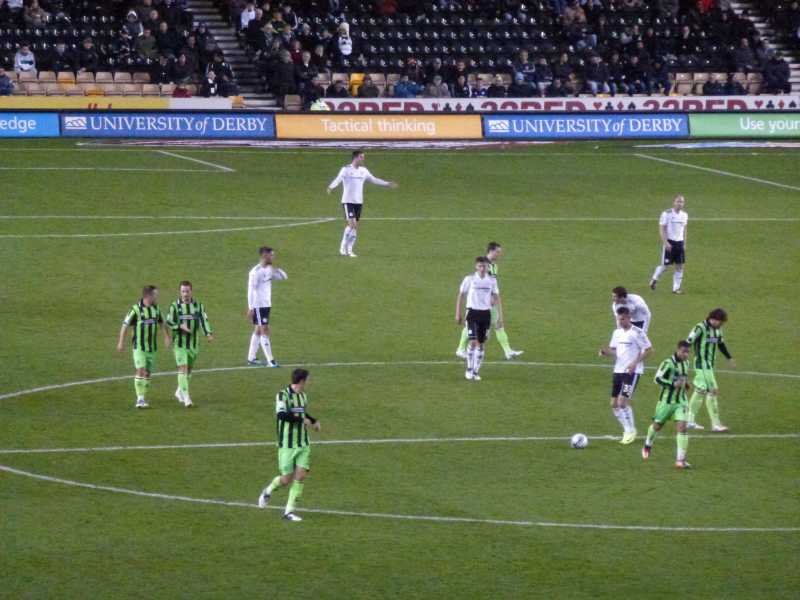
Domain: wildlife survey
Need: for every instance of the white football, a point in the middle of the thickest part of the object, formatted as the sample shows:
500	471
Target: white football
579	441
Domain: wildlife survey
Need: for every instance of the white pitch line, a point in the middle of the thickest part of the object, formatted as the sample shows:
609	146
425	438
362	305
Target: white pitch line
409	363
507	220
385	442
198	161
111	169
718	172
153	233
393	516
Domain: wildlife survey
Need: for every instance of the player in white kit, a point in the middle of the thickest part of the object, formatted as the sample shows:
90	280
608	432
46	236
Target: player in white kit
672	228
259	304
352	177
640	312
631	346
481	292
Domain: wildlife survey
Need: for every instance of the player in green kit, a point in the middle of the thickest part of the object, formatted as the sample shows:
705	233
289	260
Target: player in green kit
187	318
294	449
705	338
673	377
143	318
493	253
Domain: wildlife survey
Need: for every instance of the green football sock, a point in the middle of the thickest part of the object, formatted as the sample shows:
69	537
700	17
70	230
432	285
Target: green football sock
145	386
502	338
695	404
462	345
138	385
183	382
713	410
276	483
683	445
651	435
294	495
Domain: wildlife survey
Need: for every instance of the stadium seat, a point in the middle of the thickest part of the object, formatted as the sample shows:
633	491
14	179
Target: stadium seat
109	89
167	89
131	89
53	89
150	89
27	76
698	81
85	77
122	77
293	102
34	88
75	90
104	77
46	76
141	77
683	83
65	77
91	89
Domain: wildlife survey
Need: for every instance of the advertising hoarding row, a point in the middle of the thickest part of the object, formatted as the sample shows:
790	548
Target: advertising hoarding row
427	126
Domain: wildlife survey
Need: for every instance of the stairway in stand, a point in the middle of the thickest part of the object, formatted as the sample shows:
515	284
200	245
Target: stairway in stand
750	10
251	88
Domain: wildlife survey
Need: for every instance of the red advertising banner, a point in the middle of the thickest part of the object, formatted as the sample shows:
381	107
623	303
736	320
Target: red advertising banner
619	103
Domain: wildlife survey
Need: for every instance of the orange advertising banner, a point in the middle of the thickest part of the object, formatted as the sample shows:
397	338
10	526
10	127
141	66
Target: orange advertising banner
378	127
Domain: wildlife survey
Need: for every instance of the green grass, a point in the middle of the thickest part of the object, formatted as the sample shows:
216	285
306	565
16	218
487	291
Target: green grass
63	298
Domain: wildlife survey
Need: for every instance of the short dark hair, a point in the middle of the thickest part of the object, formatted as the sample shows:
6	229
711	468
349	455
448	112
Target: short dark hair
493	246
357	152
684	344
482	259
620	291
185	282
623	310
265	250
148	290
299	375
719	314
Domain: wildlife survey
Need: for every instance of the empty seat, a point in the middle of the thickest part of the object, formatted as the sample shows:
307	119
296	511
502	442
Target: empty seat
91	89
122	77
293	102
46	76
27	76
141	77
683	83
104	77
131	89
74	90
150	89
34	88
65	77
85	77
167	89
53	89
109	89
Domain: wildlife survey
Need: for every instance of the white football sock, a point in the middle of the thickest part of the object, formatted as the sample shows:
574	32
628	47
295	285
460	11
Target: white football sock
352	241
677	278
478	358
620	417
470	359
628	411
659	271
251	355
345	238
266	346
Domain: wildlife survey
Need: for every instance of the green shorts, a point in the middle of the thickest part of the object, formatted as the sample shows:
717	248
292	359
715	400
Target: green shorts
185	357
704	380
144	360
677	411
289	458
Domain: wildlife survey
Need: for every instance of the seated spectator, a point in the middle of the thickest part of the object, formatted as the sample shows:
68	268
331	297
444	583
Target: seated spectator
305	72
167	40
121	47
6	85
744	59
414	70
153	21
574	14
713	87
557	90
87	58
437	88
733	87
133	25
312	92
192	52
296	51
481	88
525	66
637	77
497	89
406	88
596	74
248	14
35	15
544	75
60	59
210	86
461	88
319	59
776	76
24	60
368	89
161	72
182	71
456	72
435	68
616	75
562	69
659	78
146	45
283	77
521	88
339	90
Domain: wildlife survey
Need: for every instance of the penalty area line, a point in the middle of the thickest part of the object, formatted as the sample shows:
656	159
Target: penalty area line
393	516
222	168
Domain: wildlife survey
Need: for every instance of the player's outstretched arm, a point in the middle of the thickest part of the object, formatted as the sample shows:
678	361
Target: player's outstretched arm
121	338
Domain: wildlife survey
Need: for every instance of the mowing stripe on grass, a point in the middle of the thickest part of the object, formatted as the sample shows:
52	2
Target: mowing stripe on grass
386	441
407	363
152	233
718	172
392	516
222	168
112	169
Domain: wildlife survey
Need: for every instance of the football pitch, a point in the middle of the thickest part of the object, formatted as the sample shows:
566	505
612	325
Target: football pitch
423	484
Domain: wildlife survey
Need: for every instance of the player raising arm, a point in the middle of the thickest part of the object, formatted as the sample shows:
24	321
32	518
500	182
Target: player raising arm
705	338
259	304
143	318
631	346
673	377
187	319
352	177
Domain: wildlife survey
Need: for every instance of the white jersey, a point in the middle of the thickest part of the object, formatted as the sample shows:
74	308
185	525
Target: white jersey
259	285
479	291
638	307
628	345
675	223
352	180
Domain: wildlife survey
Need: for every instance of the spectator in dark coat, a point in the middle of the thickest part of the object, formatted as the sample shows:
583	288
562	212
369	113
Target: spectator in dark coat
312	92
461	88
368	89
733	87
596	75
744	59
161	71
6	85
60	59
544	75
210	86
339	90
167	40
305	73
414	70
776	76
659	78
713	87
88	58
557	90
521	88
146	45
283	78
435	68
182	71
637	77
562	69
497	89
192	52
616	75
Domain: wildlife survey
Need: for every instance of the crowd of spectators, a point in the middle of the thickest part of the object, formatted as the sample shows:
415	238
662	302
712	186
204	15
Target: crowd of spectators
155	36
784	16
540	48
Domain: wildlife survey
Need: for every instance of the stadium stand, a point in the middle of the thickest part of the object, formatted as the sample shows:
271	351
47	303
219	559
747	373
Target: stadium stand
91	47
779	22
